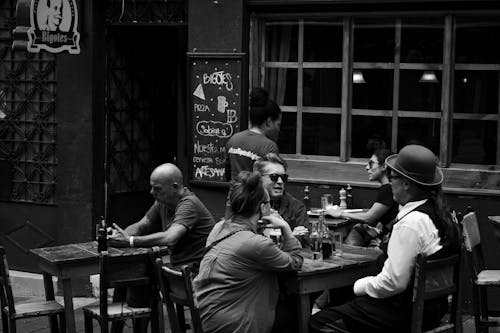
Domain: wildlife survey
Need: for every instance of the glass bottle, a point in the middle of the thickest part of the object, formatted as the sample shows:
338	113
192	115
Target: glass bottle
315	243
307	200
326	241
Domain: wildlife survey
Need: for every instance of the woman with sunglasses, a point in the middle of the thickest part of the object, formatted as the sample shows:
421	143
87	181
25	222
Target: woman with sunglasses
236	287
384	209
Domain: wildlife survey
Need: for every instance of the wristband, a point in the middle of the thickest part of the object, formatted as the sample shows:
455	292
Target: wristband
131	241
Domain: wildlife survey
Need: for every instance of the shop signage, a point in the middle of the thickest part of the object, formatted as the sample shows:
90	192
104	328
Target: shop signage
53	25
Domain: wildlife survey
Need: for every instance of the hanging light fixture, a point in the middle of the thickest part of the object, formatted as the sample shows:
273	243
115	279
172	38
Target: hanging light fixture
357	76
428	77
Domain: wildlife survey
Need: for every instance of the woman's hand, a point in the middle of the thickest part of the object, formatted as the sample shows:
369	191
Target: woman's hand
334	212
300	231
275	220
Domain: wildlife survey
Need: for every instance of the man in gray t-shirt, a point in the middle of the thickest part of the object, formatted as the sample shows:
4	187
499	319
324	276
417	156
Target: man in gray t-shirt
177	219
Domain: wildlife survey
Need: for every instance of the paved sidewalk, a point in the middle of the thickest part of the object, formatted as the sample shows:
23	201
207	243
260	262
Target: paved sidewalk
41	325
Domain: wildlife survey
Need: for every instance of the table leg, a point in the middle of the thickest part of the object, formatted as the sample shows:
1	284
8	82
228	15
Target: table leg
68	306
304	310
49	296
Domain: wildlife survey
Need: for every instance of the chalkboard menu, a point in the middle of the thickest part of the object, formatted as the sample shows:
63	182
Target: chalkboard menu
215	107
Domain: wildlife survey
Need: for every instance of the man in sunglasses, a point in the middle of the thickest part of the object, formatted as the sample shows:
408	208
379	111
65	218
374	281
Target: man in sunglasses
273	171
274	177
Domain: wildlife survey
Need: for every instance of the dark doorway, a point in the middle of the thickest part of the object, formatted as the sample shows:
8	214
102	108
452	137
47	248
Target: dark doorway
144	89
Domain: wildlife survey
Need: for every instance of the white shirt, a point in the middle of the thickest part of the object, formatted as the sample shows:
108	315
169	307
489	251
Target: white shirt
414	233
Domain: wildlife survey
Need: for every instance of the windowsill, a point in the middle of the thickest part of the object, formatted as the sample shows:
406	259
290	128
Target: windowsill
459	179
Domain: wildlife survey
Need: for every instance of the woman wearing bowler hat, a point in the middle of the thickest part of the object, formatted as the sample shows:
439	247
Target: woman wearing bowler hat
383	302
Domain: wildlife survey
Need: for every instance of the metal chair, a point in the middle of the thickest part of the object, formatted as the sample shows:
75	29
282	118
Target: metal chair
177	292
434	279
482	278
12	311
122	272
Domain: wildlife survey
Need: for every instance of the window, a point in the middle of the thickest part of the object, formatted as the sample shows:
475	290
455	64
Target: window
349	84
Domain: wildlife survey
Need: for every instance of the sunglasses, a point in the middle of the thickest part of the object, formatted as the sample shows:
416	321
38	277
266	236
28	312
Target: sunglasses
371	163
275	176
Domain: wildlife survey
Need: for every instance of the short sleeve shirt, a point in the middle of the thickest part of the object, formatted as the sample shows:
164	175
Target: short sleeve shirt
246	147
192	214
385	197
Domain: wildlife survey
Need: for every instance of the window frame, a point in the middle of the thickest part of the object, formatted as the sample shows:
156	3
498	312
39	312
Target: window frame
306	163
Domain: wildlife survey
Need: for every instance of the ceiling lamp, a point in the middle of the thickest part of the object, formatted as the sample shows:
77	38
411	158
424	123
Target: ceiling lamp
357	77
428	77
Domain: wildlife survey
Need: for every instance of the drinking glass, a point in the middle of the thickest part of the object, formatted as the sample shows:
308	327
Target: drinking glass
326	201
338	242
275	235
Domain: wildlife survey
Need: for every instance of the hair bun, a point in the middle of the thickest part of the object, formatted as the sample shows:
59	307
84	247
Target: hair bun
259	97
250	180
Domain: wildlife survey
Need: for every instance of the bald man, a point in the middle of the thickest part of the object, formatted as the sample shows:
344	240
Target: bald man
177	219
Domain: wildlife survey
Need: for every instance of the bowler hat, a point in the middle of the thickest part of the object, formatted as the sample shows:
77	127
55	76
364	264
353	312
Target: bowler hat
416	163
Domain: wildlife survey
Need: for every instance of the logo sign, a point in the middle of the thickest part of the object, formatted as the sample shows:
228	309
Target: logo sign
54	26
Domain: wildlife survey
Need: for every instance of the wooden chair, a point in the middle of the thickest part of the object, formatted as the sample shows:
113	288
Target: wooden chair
12	311
177	292
434	279
123	272
481	278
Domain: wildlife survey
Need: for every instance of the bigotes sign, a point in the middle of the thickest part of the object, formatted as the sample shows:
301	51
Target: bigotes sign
50	25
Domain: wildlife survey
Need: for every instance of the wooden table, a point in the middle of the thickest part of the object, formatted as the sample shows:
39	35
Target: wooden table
72	260
357	262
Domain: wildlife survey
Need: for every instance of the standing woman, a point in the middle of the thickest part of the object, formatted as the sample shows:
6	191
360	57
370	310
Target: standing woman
236	287
384	209
246	147
383	302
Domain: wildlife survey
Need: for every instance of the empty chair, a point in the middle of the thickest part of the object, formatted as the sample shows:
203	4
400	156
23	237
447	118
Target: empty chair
482	278
177	291
12	311
123	272
435	279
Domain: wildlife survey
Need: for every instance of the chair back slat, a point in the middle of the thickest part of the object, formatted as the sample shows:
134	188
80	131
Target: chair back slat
471	233
177	289
118	271
6	295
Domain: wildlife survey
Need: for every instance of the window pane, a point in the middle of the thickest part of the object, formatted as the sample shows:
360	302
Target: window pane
417	94
477	40
321	134
374	40
420	131
282	85
474	141
286	141
422	40
281	41
476	92
323	41
376	93
322	87
370	133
